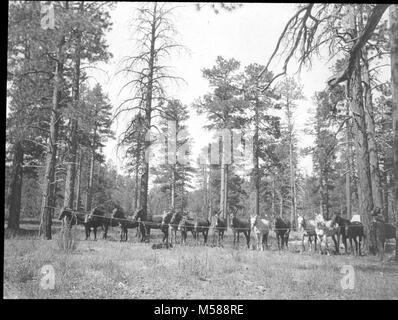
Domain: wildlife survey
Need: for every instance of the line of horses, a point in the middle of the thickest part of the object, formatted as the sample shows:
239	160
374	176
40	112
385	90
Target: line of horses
173	222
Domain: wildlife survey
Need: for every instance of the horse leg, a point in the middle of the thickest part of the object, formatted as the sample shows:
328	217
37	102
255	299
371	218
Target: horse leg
360	244
87	231
315	241
351	249
356	246
336	244
105	231
345	244
264	237
148	236
95	233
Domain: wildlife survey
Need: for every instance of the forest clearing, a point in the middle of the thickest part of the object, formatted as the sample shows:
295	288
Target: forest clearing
132	270
211	150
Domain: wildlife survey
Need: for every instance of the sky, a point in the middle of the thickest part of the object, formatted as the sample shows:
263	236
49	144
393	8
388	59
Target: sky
248	34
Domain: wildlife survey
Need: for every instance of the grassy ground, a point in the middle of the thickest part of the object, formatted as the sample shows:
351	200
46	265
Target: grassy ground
110	269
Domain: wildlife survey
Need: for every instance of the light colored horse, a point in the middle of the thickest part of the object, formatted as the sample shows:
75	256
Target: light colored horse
324	230
261	229
307	229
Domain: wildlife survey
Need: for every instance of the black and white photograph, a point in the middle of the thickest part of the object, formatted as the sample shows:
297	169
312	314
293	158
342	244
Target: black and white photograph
210	153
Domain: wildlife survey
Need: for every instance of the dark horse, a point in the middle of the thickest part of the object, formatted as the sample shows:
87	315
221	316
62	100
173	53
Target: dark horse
381	231
124	223
184	227
220	226
238	226
282	231
97	218
165	226
174	223
70	218
202	226
349	230
148	223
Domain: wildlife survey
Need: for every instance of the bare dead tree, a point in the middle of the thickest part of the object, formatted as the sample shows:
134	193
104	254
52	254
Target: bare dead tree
316	26
147	73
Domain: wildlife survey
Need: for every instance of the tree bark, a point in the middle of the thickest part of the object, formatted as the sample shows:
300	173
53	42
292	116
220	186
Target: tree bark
90	180
361	148
273	196
148	113
48	198
222	180
78	182
72	158
210	196
348	167
394	84
291	165
256	162
370	125
15	188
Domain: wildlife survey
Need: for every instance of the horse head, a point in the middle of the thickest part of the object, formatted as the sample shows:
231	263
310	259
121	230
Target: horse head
301	223
181	224
138	215
176	217
117	213
253	221
166	217
67	217
336	219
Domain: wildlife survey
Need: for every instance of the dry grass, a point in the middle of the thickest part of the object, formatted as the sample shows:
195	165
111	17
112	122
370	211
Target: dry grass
110	269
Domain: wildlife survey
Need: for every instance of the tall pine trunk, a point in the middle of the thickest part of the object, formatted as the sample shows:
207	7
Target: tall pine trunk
15	188
90	182
256	164
210	195
48	198
78	182
370	126
361	148
222	181
348	167
148	114
72	156
394	82
291	165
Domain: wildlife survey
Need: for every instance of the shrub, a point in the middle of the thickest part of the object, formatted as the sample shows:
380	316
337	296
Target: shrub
67	239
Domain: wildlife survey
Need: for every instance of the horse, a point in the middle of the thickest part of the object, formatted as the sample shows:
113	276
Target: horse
97	218
382	231
70	218
124	223
282	232
324	229
308	230
238	226
260	228
184	226
350	230
166	218
148	223
201	226
220	226
174	223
